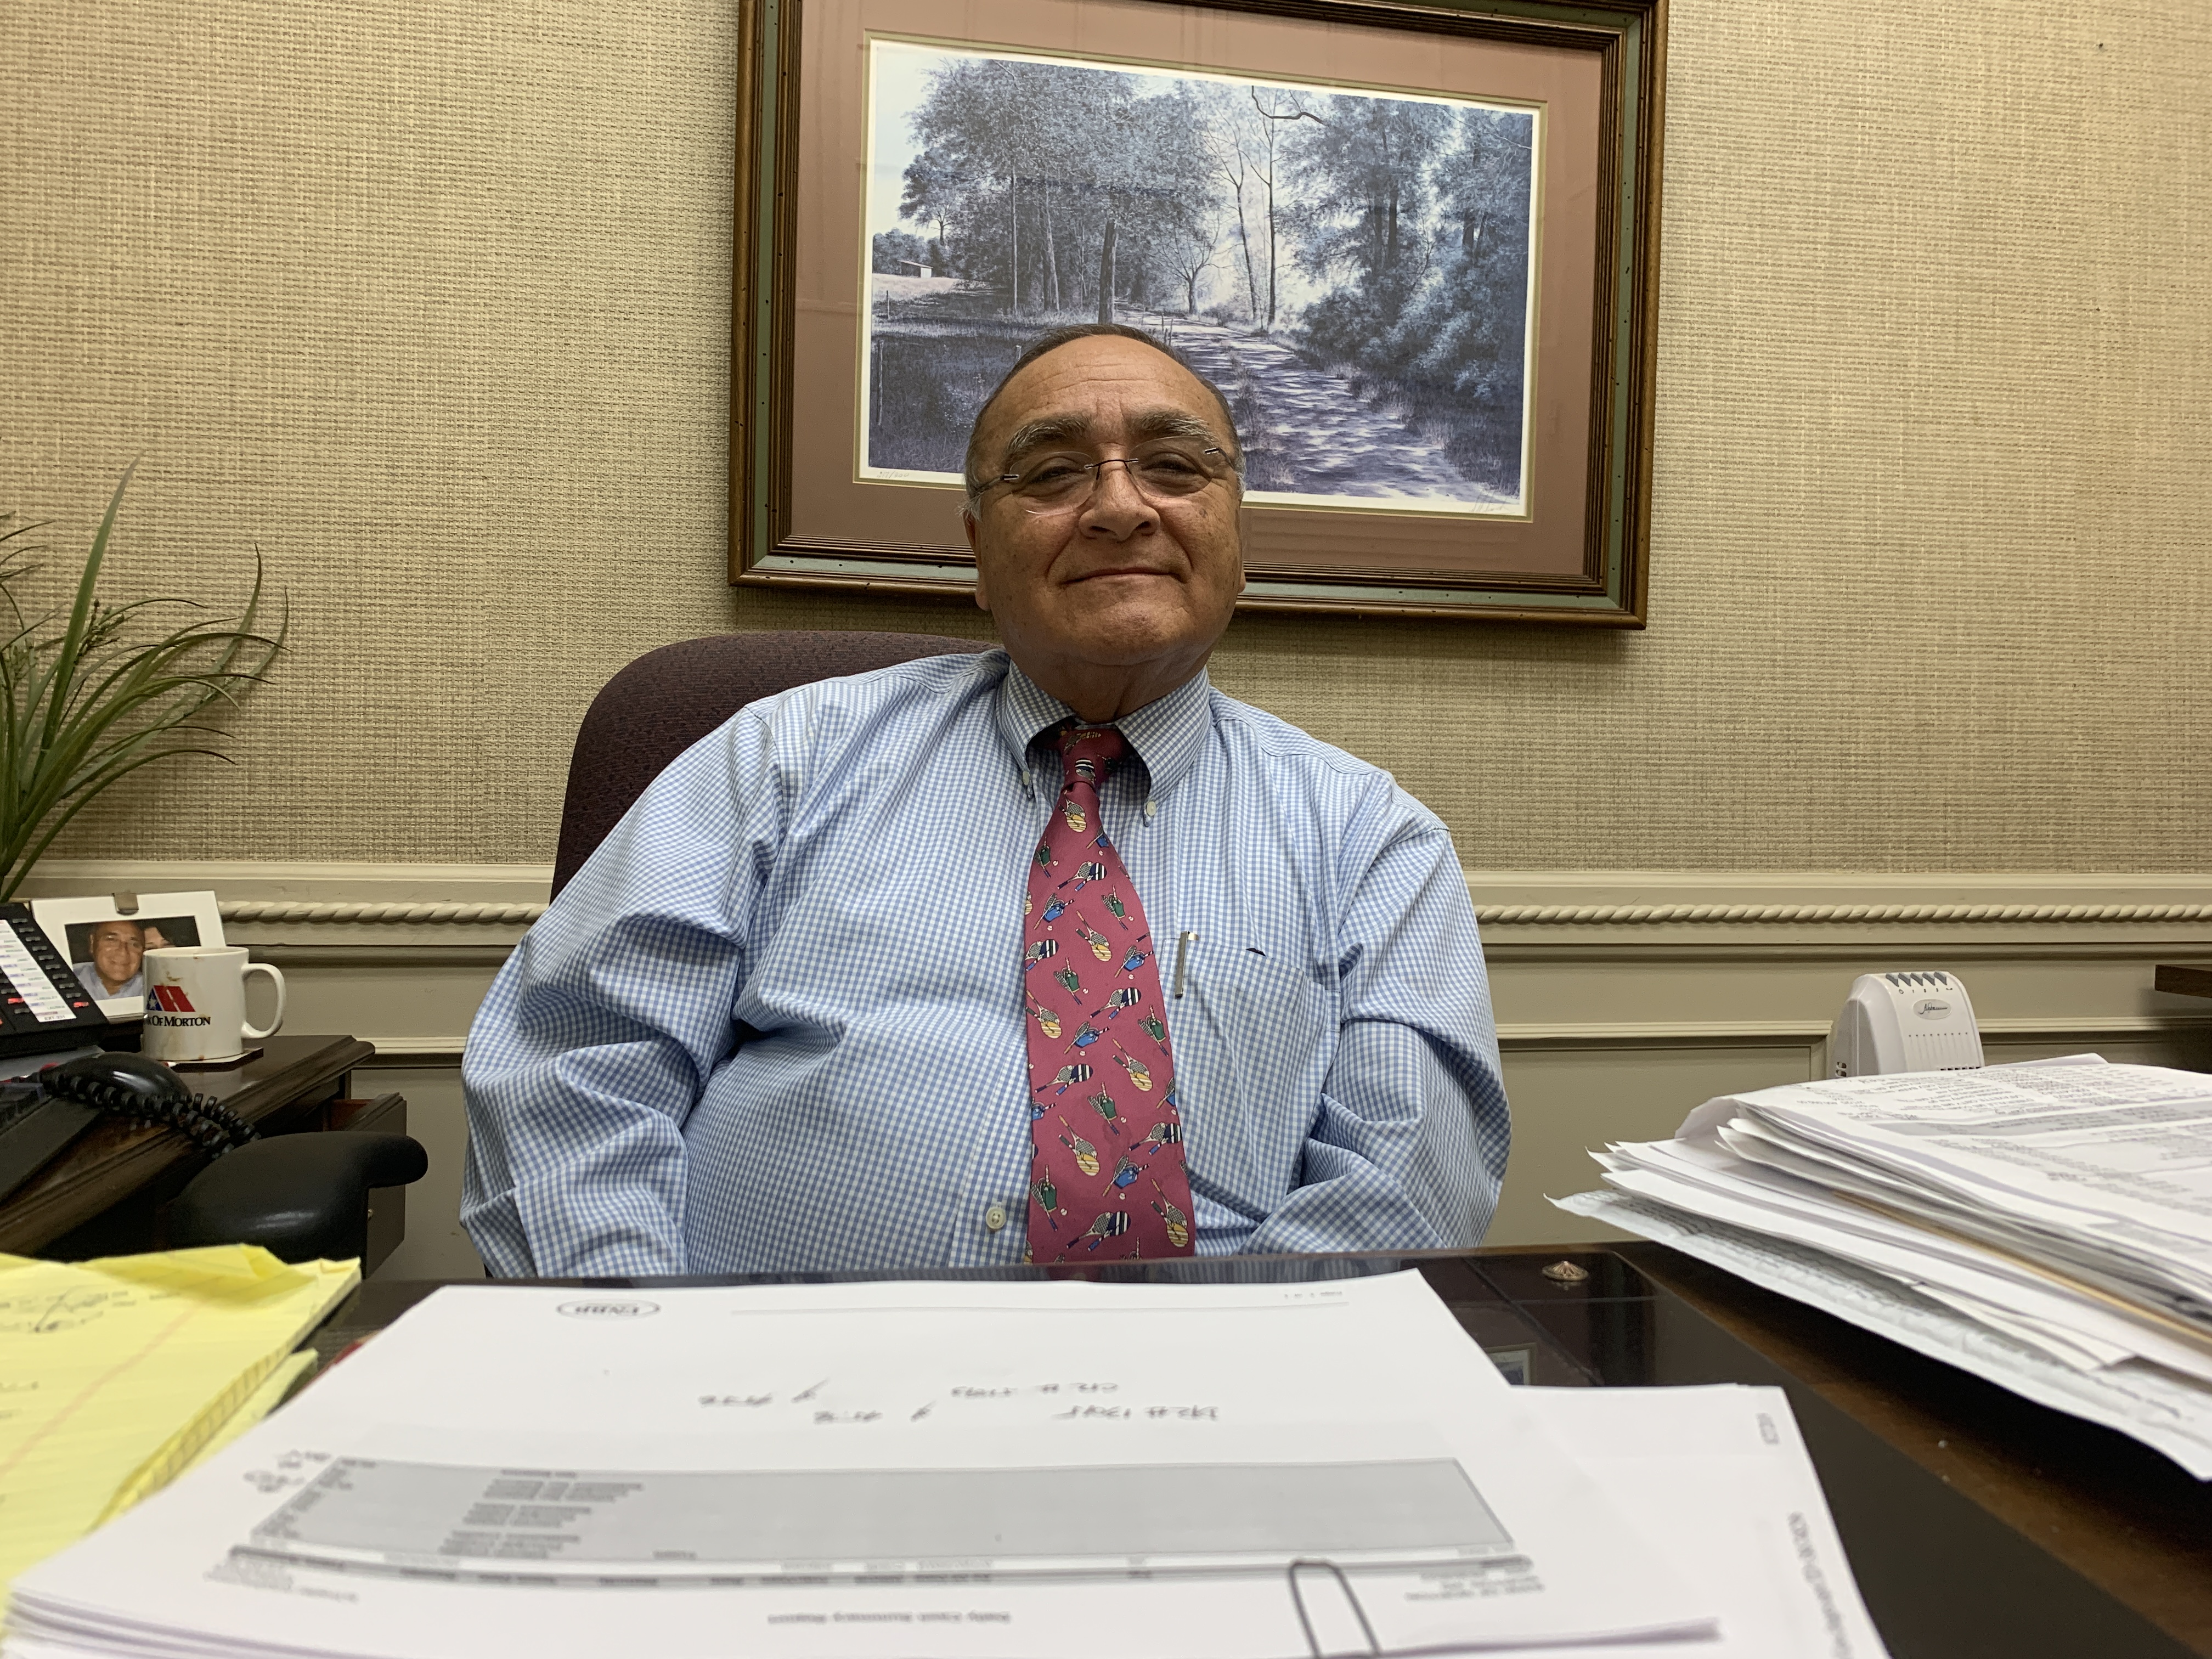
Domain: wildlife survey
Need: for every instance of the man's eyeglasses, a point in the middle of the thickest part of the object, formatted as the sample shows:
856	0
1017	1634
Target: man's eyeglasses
1162	472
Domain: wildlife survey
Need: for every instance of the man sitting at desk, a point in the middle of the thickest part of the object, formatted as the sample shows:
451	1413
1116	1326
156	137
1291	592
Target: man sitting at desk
1052	953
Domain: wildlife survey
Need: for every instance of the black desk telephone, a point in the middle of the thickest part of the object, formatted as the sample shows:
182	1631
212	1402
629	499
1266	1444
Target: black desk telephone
45	1010
43	1005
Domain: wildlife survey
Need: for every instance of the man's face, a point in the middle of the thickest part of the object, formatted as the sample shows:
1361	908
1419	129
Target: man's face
1117	583
118	948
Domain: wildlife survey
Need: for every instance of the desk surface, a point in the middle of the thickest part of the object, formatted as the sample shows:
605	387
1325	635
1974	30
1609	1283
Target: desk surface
116	1159
1976	1522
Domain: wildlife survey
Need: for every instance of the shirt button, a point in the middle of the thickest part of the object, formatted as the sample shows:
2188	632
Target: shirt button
1152	807
995	1218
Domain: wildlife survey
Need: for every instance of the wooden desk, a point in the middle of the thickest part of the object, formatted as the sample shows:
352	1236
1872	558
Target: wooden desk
1978	1523
99	1197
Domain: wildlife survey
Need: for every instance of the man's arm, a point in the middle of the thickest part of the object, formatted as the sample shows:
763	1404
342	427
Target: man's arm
1407	1148
601	1030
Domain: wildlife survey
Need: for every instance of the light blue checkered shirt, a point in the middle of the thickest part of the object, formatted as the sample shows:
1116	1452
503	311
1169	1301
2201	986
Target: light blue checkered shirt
836	875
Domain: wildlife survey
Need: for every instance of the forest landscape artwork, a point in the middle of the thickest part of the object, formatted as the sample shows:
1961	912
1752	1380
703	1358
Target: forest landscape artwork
1354	268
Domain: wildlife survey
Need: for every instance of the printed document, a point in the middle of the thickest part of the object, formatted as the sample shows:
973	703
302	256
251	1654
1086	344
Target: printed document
2047	1226
2166	1413
2107	1167
1721	1476
888	1471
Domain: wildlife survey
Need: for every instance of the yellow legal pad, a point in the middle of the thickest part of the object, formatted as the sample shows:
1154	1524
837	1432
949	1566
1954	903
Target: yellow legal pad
118	1375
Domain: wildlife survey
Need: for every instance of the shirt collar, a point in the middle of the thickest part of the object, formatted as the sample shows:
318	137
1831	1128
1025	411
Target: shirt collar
1166	732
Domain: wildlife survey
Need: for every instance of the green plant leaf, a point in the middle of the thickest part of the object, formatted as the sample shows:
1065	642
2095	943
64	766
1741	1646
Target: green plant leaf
86	702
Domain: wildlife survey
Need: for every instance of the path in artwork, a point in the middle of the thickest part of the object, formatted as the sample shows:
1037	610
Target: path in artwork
1304	432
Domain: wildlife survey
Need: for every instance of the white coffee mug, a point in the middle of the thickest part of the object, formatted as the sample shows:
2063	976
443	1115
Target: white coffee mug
196	1003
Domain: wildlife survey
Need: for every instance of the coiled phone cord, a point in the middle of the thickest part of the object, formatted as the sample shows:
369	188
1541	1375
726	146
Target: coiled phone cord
214	1127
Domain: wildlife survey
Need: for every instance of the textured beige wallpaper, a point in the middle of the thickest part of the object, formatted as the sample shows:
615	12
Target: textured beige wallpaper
430	304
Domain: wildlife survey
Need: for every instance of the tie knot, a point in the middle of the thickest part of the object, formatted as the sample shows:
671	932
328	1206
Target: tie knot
1087	753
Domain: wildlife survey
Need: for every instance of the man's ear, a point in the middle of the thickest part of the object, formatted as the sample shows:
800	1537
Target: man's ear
973	532
1243	524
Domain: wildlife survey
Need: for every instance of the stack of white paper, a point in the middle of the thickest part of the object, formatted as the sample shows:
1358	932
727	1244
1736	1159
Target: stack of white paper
894	1470
2047	1226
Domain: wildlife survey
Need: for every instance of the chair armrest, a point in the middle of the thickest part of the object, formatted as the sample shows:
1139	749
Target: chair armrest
299	1196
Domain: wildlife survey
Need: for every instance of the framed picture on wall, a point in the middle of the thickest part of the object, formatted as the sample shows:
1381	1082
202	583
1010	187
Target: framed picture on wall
1415	247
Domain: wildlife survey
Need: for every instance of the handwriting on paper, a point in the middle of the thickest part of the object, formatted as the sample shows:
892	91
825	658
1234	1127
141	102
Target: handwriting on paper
45	1312
1135	1413
1069	1401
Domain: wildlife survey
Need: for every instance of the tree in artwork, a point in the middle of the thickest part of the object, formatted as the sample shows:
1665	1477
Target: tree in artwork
1355	265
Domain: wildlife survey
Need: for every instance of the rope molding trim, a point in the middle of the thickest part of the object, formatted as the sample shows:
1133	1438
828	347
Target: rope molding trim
1541	915
1617	915
459	915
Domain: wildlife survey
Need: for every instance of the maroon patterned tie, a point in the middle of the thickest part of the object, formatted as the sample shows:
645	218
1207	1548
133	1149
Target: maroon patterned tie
1106	1171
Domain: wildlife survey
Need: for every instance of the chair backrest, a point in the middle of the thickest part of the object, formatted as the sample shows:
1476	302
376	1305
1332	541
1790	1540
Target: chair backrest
670	698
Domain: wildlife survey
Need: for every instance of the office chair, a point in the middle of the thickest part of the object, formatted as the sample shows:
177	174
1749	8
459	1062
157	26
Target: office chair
670	698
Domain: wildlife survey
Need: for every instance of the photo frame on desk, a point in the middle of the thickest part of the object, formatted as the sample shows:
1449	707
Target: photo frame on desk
1443	375
105	946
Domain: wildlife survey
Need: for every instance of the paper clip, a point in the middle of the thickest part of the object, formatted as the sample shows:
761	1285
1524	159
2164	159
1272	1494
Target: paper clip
1305	1620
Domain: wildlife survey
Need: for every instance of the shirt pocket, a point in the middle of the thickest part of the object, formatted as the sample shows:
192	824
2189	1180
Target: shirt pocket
1252	1040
